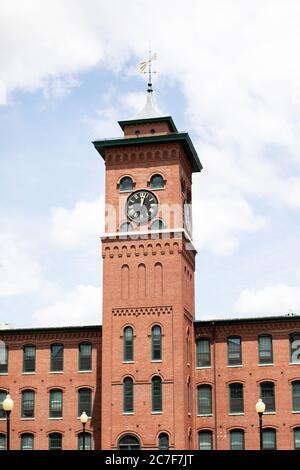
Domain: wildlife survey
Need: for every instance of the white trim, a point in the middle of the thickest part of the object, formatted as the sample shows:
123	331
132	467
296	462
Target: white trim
84	371
28	373
203	367
266	365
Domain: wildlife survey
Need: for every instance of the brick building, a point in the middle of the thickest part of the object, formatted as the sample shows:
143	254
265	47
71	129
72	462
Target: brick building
151	376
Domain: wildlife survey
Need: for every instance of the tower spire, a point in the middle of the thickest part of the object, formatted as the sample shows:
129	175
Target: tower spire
146	67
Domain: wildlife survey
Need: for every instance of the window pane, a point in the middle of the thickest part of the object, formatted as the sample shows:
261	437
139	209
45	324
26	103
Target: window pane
56	403
126	184
158	225
234	351
28	404
156	394
27	442
156	343
297	438
85	401
269	439
87	441
295	348
128	395
296	395
128	344
204	400
85	356
3	394
265	350
29	359
57	356
2	442
237	439
203	352
157	182
267	394
55	441
236	398
3	359
129	443
163	442
205	440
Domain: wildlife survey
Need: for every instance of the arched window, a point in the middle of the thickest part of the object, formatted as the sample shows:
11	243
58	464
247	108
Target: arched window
129	442
158	225
56	403
269	439
126	227
163	441
236	398
296	395
27	440
205	440
88	440
156	343
126	184
57	358
267	394
295	348
265	350
156	395
29	352
237	439
85	357
128	395
157	182
55	441
204	400
128	344
27	404
3	394
85	401
2	441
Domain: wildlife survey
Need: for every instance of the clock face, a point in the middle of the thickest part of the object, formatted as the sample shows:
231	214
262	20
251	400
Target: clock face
141	206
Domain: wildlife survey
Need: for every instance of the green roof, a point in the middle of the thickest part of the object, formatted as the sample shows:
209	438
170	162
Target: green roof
169	119
181	137
230	321
50	329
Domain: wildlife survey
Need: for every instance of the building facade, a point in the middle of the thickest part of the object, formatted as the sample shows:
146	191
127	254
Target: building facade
152	377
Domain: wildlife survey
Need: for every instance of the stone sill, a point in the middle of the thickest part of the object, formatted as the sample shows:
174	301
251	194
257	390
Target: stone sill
236	414
156	412
28	373
203	367
28	419
235	366
266	365
56	372
128	362
205	416
130	413
84	371
156	360
55	418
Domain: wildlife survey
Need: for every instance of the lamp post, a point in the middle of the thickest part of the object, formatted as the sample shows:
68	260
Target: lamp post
84	419
260	409
8	405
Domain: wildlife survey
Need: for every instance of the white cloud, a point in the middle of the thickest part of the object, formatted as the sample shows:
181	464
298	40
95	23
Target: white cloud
271	300
79	227
82	306
20	272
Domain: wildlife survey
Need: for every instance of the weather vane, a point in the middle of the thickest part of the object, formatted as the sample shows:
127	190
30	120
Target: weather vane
146	64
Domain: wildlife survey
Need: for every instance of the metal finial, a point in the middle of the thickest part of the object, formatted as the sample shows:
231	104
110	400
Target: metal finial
143	69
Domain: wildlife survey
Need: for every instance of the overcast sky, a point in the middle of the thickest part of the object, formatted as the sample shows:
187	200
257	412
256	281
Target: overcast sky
229	73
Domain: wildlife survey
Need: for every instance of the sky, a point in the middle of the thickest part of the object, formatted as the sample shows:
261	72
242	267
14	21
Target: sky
229	74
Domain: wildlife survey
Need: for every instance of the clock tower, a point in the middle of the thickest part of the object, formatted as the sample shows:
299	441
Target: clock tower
148	286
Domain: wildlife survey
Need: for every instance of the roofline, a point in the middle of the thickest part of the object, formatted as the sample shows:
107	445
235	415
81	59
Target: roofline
183	137
126	122
50	329
230	321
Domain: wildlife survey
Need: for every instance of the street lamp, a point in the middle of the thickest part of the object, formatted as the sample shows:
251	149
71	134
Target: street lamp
7	406
260	409
84	419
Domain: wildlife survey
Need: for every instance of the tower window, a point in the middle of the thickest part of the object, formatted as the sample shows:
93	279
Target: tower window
265	350
157	182
128	395
137	133
152	131
158	225
267	394
126	227
126	184
156	343
128	344
156	395
85	401
29	358
236	398
163	441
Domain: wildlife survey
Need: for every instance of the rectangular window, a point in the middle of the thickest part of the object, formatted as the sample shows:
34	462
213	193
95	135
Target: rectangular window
156	394
57	358
85	401
296	395
27	442
189	397
265	350
87	444
297	439
3	394
128	395
55	441
2	442
85	357
295	348
204	400
234	351
205	440
237	439
56	404
3	359
267	394
29	359
28	404
203	352
236	398
269	439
